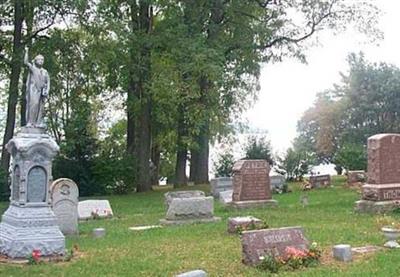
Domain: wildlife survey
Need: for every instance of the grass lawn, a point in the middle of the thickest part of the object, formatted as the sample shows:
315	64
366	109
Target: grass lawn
328	219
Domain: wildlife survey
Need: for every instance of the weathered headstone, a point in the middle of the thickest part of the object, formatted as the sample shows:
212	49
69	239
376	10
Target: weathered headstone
220	184
225	197
274	242
98	232
382	191
188	207
243	223
64	201
320	181
277	183
89	209
342	252
355	177
251	184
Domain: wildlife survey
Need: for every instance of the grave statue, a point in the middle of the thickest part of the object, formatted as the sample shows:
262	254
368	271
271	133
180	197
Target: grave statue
37	89
29	223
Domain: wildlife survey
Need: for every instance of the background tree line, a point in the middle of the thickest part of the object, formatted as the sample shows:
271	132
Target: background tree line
336	128
140	88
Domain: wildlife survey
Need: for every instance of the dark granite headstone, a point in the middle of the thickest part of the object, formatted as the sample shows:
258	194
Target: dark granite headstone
258	243
251	180
382	189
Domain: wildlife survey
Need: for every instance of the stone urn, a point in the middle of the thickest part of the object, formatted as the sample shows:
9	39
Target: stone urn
391	235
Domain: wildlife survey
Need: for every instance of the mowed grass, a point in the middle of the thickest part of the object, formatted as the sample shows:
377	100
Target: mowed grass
328	219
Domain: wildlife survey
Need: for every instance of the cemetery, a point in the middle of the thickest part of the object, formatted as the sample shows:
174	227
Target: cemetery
137	139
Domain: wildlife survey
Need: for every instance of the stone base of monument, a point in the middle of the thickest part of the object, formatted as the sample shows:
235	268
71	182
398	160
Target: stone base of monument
375	207
253	204
23	230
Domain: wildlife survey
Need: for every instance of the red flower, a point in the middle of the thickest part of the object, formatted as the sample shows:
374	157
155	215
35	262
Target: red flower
295	253
36	255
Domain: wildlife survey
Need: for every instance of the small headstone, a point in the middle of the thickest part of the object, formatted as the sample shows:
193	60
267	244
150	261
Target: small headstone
89	209
258	243
142	228
304	200
220	184
320	181
64	195
99	232
243	222
356	177
225	197
342	252
194	273
251	184
188	207
277	183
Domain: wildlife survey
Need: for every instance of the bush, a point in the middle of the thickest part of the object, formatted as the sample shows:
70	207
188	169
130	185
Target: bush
224	165
351	156
258	148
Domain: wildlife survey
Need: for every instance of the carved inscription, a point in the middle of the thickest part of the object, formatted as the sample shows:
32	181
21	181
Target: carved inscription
271	241
251	180
37	185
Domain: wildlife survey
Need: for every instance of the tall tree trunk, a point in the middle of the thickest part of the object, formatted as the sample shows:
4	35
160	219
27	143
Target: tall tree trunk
144	118
28	11
203	139
194	154
155	158
181	153
16	65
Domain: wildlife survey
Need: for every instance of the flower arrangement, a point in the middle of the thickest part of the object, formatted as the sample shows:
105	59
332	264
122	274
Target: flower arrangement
34	257
294	259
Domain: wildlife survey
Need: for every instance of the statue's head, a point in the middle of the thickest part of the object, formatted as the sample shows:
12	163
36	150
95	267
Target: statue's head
39	59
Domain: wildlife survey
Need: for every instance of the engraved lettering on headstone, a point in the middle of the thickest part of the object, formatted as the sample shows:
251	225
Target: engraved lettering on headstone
37	183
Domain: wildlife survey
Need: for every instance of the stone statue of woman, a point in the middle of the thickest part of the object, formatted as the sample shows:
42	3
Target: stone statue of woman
37	89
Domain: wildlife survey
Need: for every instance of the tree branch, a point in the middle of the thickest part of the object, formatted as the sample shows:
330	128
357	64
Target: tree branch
313	28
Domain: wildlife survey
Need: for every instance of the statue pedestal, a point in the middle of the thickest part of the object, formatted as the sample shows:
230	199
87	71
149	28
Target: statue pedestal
29	223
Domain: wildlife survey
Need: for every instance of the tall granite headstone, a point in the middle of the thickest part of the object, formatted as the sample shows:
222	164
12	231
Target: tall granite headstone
64	195
29	223
251	184
382	190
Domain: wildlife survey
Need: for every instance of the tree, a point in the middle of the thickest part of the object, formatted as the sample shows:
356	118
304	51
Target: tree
351	157
295	164
258	148
365	103
224	165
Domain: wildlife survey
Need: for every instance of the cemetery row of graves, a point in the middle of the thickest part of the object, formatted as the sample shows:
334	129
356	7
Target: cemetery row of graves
242	229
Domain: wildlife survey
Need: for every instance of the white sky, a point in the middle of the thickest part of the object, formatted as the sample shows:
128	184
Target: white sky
289	88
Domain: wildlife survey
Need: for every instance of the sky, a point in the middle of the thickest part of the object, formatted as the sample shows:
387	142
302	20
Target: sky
289	88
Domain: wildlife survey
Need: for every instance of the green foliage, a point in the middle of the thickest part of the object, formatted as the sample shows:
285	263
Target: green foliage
364	104
258	148
351	156
295	164
114	168
224	164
